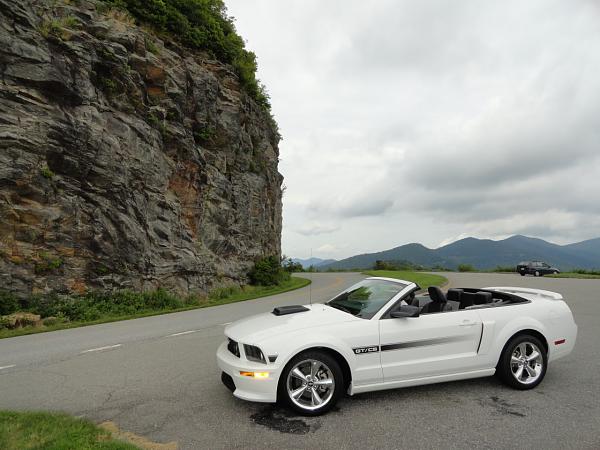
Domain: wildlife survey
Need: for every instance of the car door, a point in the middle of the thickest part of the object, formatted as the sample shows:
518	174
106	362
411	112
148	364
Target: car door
431	344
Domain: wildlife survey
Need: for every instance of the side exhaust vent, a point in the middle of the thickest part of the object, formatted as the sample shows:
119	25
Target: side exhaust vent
293	309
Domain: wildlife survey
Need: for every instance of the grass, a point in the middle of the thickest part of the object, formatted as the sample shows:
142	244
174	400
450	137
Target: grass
421	278
217	297
583	276
55	431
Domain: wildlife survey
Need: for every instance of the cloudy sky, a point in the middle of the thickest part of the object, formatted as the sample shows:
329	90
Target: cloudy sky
426	121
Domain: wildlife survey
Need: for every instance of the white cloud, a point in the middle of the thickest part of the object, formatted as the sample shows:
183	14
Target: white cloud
413	121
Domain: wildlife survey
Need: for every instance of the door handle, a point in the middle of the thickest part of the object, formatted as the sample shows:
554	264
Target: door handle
467	323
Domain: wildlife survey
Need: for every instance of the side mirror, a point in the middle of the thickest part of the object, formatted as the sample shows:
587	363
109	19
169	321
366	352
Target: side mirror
406	311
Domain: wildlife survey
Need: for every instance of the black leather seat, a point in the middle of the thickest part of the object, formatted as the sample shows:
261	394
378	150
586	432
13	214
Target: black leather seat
467	299
454	295
483	298
438	300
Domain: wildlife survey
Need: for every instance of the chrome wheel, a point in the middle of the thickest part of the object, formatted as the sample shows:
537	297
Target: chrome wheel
310	384
526	363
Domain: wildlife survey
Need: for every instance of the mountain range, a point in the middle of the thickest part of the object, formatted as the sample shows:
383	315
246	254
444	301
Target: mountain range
483	254
315	262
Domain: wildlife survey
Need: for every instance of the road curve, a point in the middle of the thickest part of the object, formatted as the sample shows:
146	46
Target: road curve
36	349
157	377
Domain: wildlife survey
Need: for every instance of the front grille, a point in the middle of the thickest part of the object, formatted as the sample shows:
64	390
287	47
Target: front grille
233	347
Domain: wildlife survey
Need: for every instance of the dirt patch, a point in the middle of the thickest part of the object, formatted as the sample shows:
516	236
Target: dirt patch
135	439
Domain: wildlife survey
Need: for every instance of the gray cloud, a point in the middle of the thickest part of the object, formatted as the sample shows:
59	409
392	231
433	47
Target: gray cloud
314	229
356	207
419	121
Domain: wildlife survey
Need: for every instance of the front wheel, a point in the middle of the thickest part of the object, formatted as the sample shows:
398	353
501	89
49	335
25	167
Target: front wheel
311	383
523	362
537	273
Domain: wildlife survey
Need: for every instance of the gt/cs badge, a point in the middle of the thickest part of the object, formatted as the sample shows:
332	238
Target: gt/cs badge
370	349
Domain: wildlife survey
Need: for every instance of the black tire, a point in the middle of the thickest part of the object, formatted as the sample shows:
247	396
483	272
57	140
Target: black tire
504	369
537	274
522	274
333	370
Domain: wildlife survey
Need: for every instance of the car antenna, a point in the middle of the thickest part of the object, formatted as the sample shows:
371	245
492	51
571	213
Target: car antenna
311	280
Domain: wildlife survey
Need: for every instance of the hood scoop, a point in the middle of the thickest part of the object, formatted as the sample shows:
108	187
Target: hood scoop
293	309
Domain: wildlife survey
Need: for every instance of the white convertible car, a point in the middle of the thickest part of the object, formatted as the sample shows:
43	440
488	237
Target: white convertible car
378	334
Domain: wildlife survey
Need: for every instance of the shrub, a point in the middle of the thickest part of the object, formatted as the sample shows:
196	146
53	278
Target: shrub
224	292
291	266
381	265
4	323
46	172
151	46
587	272
8	303
49	321
55	28
466	268
268	272
47	264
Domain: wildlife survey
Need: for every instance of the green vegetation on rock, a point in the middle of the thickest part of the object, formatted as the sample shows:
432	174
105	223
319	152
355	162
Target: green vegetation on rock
203	25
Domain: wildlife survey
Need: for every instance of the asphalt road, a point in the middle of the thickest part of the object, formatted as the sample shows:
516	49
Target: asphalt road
157	377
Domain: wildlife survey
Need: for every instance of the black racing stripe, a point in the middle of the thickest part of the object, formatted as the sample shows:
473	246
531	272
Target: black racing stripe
422	343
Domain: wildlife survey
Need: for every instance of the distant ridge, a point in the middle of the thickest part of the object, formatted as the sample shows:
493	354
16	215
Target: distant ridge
315	262
483	254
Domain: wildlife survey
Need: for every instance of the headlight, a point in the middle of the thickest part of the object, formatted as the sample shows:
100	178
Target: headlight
233	347
254	353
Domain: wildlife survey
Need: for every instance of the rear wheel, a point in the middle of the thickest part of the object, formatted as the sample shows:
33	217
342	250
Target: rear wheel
537	273
523	362
311	383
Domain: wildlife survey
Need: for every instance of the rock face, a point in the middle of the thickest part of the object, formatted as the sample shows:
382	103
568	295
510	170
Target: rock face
126	161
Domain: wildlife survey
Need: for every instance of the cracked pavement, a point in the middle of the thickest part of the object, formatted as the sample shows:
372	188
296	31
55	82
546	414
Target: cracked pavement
167	388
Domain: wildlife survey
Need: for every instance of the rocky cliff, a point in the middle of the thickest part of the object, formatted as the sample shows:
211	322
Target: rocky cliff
126	161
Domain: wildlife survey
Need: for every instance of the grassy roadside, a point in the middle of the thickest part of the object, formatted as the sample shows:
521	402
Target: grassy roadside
41	430
221	297
583	276
421	278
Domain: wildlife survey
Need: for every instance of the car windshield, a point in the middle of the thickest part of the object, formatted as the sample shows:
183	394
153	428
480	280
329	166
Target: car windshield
367	297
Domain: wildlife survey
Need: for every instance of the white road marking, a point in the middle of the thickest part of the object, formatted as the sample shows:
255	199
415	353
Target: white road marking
226	323
8	367
182	333
101	348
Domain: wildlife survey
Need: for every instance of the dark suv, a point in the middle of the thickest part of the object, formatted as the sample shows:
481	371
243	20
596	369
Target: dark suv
535	268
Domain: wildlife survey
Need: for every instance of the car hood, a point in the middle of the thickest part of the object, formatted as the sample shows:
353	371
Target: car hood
255	329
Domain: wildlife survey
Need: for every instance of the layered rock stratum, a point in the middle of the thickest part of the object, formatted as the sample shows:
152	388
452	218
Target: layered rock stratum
126	160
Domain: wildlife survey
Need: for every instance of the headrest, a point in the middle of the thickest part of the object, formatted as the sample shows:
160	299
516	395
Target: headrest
454	295
436	295
467	299
481	298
